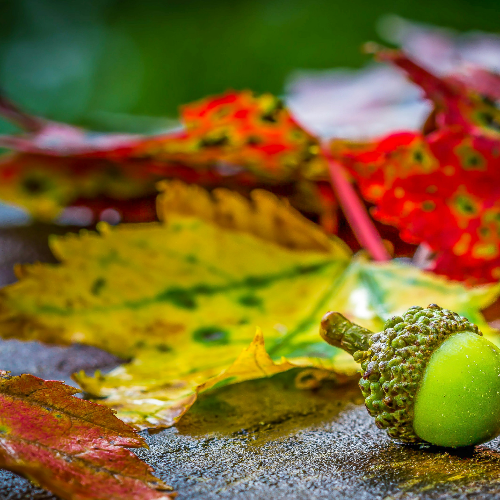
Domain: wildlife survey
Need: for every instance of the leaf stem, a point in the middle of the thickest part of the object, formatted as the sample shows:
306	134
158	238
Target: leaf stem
354	210
338	331
12	113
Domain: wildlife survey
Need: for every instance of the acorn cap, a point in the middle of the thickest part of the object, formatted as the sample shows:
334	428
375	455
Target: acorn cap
393	361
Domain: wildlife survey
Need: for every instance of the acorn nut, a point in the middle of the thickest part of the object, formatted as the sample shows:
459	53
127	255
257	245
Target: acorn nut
429	376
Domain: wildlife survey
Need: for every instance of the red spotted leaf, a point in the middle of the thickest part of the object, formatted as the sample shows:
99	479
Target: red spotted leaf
440	187
72	447
240	129
237	140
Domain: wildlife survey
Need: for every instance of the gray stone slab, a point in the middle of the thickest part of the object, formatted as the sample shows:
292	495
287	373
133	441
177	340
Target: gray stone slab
266	439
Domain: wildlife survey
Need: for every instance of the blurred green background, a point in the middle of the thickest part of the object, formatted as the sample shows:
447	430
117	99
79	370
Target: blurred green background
90	61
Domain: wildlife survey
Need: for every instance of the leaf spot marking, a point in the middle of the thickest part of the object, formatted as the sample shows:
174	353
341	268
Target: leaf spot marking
212	335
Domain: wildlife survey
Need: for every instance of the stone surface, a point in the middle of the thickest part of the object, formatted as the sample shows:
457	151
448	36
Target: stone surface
265	439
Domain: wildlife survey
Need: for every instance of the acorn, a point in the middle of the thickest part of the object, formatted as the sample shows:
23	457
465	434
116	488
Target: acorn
428	377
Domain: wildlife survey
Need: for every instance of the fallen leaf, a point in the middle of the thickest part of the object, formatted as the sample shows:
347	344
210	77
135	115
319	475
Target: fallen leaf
183	297
72	447
439	187
241	129
238	140
207	267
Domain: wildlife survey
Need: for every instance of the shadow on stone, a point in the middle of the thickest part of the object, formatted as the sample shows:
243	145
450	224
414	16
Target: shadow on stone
266	408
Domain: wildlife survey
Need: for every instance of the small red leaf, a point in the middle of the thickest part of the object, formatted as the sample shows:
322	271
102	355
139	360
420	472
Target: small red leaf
72	447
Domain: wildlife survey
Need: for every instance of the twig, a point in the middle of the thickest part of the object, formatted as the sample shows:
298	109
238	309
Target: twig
355	212
10	111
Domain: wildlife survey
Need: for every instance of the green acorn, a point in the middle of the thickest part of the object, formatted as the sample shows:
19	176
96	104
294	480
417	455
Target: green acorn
429	376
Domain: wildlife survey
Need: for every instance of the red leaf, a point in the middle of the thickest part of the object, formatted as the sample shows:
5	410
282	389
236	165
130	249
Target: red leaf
441	187
239	129
482	81
233	140
72	447
456	104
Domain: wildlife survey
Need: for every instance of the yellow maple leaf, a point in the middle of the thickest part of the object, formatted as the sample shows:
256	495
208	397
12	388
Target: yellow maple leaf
203	274
183	297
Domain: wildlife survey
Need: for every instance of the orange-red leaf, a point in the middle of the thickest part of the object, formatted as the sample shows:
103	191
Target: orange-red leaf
455	103
72	447
240	129
237	140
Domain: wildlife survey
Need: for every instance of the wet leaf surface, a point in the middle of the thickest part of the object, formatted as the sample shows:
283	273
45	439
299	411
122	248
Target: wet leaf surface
72	447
